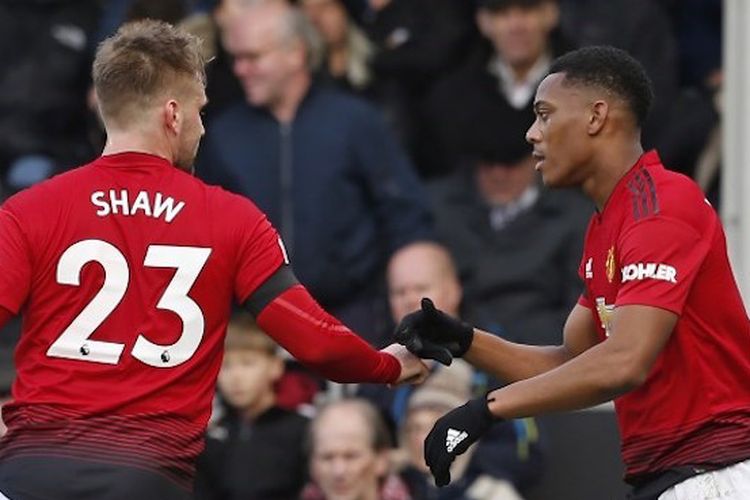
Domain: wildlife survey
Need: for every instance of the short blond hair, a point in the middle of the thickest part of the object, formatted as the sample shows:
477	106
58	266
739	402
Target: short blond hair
140	62
243	333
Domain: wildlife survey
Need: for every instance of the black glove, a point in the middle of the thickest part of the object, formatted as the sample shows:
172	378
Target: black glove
430	333
452	435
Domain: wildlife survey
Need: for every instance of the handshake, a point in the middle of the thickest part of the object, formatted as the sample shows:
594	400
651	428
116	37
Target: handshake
431	334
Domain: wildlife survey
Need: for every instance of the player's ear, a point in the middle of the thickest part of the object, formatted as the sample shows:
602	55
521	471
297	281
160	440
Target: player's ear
598	114
172	115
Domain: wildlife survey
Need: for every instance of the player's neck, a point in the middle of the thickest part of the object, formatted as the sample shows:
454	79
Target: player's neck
131	142
611	165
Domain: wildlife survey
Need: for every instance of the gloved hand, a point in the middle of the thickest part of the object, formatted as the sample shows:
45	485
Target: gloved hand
430	333
452	435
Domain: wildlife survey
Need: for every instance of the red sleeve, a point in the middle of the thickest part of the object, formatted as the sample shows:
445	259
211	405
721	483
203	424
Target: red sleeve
659	261
15	263
321	342
260	250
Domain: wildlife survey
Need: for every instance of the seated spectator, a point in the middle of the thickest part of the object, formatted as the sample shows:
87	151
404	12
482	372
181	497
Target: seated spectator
47	53
320	162
492	94
517	246
349	455
417	42
643	29
511	453
347	49
254	449
446	389
691	142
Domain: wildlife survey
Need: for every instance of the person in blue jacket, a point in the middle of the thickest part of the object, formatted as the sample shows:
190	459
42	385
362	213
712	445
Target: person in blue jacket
321	163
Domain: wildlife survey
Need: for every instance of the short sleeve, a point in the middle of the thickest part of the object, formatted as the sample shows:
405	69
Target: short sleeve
15	263
260	250
659	260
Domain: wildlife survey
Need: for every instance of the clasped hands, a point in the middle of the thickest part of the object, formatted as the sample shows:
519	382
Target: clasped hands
431	334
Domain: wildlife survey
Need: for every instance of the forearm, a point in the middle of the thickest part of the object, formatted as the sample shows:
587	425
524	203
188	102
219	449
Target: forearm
587	380
510	361
321	342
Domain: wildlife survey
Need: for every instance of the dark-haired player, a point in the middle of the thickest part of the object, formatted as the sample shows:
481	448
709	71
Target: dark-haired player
660	327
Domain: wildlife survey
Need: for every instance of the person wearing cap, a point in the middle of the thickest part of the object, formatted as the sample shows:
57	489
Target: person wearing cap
516	246
447	388
494	89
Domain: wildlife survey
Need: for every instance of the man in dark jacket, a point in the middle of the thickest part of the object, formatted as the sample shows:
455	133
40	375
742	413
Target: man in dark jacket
517	246
319	162
494	90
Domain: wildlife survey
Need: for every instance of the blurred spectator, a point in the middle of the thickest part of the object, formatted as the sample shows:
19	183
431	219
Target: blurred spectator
491	96
698	27
417	42
517	246
116	12
347	50
349	450
222	86
643	29
510	454
446	389
319	162
46	54
255	449
691	143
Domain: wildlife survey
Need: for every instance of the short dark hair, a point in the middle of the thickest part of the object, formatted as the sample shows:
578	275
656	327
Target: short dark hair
611	69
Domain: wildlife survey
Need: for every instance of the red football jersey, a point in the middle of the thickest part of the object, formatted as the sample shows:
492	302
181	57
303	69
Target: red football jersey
658	242
125	270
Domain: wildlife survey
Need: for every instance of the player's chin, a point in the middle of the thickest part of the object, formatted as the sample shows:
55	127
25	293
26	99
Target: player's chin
550	180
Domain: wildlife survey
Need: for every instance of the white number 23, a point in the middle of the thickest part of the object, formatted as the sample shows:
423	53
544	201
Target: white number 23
74	342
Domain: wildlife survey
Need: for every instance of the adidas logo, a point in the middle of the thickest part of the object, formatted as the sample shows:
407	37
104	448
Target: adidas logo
453	438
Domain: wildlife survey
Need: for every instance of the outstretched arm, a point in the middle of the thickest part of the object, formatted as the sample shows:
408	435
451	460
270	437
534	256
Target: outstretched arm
512	362
430	333
570	377
605	371
287	312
